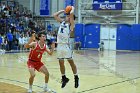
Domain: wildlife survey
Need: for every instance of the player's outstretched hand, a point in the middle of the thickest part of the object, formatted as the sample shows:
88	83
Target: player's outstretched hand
33	35
53	45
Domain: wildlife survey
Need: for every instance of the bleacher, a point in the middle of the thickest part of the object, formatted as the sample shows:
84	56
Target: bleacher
16	20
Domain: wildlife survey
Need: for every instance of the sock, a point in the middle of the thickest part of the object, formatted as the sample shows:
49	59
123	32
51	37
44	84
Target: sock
30	86
63	74
76	74
46	85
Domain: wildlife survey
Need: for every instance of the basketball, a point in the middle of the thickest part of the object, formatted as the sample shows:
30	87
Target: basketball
68	9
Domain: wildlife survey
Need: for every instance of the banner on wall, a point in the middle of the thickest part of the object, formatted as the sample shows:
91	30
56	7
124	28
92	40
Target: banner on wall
106	0
44	7
107	5
69	2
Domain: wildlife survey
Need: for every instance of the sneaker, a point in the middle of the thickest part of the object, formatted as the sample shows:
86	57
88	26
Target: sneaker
64	82
47	90
30	91
76	82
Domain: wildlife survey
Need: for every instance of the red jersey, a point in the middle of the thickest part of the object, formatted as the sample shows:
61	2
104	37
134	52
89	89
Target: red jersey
36	53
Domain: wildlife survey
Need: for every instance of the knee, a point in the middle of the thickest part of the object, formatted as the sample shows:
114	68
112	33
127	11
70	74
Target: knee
47	74
32	76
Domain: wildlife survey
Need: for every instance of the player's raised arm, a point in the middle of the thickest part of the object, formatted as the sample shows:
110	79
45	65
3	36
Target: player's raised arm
30	43
57	17
72	19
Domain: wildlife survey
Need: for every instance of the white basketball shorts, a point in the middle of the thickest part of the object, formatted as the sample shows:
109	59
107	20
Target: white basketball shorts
64	51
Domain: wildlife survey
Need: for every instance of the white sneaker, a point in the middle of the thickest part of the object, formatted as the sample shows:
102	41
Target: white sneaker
47	90
30	91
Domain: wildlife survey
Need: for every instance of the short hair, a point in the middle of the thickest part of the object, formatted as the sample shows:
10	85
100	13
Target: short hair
40	34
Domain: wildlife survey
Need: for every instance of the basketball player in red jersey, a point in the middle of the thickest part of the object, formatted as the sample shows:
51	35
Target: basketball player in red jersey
34	61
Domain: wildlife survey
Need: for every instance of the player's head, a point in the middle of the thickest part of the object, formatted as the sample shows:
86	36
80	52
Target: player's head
42	36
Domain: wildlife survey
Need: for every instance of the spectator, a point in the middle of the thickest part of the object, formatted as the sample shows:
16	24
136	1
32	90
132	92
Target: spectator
101	46
4	43
49	39
21	42
9	36
0	41
49	27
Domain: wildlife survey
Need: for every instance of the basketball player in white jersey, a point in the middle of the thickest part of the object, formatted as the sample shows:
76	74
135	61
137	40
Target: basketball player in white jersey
63	49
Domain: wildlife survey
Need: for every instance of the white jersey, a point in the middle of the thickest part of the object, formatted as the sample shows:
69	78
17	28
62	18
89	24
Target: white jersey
63	33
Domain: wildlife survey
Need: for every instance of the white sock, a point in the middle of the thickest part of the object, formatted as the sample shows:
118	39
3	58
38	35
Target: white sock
76	74
63	74
46	85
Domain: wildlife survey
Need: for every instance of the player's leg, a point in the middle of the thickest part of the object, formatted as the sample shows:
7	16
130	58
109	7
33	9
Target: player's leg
62	66
73	66
74	69
60	56
31	79
44	70
68	55
62	69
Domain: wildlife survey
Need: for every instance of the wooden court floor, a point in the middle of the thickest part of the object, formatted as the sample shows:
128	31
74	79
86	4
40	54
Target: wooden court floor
104	72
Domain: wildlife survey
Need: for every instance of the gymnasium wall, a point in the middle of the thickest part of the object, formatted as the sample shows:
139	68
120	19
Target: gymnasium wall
25	3
37	7
55	5
128	36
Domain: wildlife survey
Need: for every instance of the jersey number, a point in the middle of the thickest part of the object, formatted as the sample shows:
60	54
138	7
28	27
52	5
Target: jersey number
38	56
62	30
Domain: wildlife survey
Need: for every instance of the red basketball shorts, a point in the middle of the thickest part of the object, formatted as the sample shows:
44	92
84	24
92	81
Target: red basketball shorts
36	65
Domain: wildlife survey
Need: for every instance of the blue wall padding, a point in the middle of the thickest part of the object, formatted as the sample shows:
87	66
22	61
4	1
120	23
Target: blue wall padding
124	37
136	37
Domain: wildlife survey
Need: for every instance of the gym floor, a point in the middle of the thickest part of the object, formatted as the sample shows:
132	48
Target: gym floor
99	72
